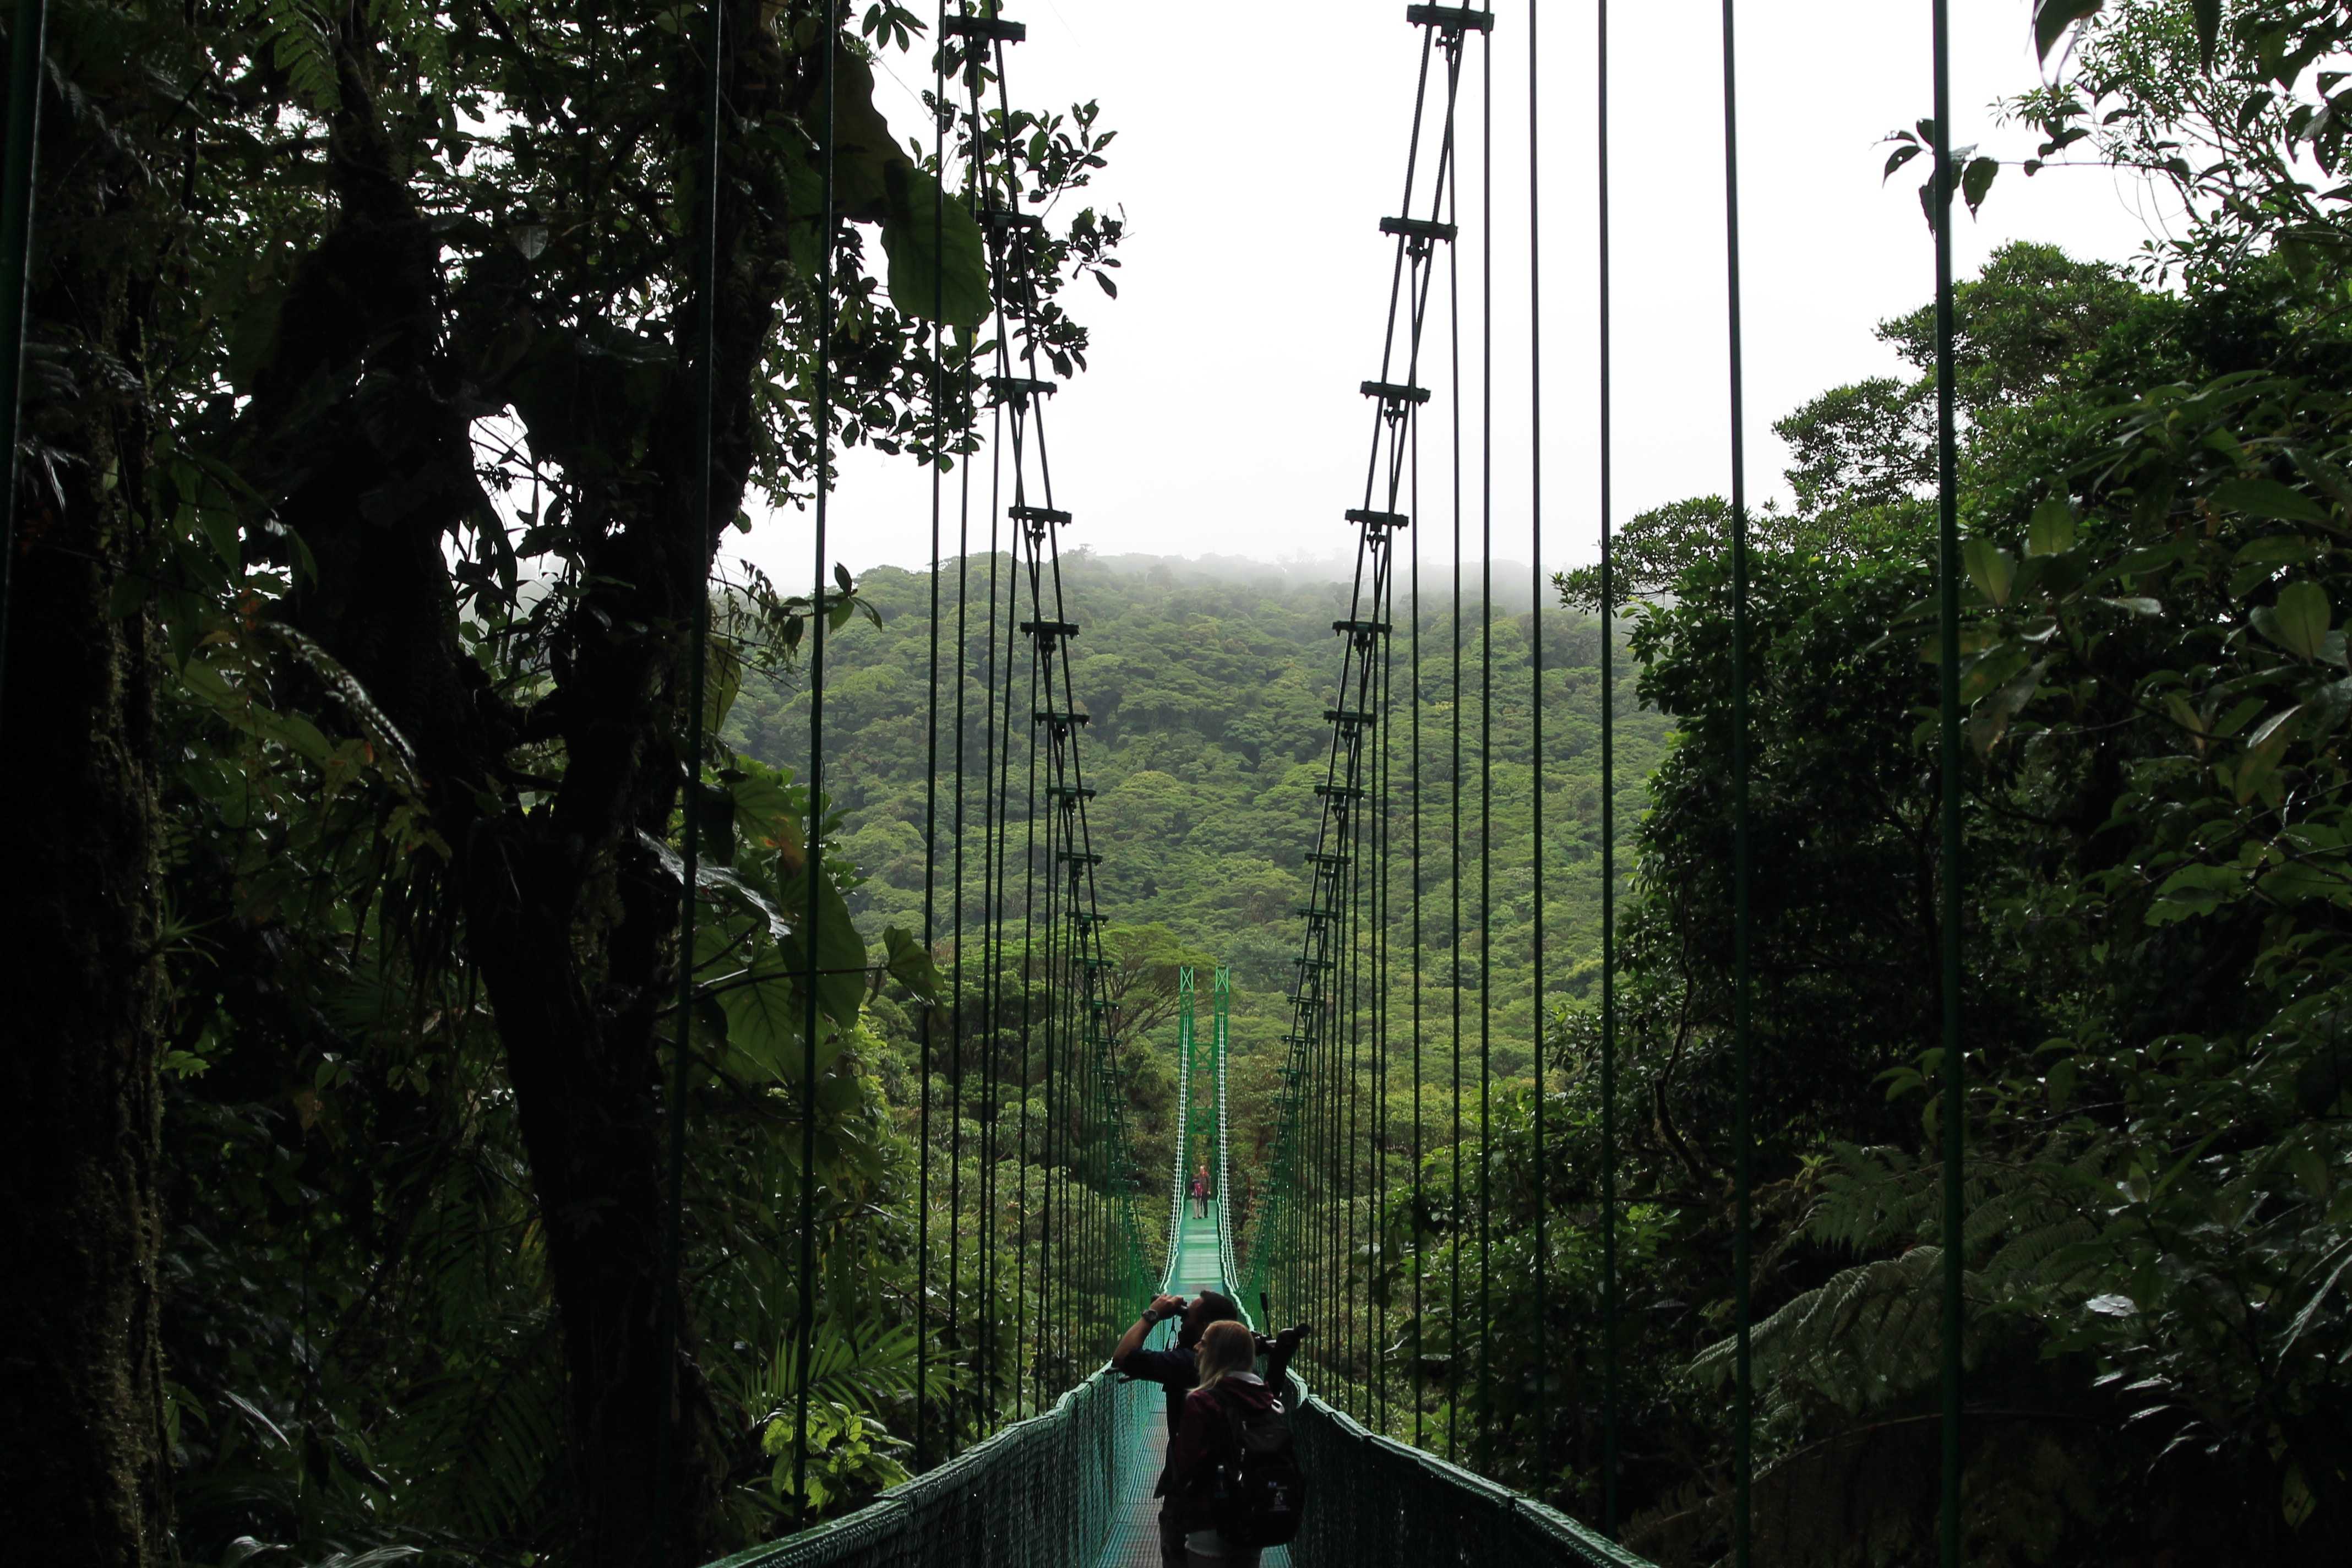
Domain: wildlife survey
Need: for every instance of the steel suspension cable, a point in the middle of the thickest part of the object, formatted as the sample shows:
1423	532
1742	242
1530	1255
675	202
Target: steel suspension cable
1744	1397
26	39
958	903
1608	821
1535	710
931	757
806	1338
1363	1073
994	740
1454	922
1024	1368
1485	755
1346	1087
960	898
1083	1060
1001	845
1954	1107
1420	1197
1379	1261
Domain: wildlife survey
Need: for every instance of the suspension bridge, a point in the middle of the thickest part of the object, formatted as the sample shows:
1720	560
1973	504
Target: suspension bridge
1033	1245
1029	1007
1035	1452
1074	1483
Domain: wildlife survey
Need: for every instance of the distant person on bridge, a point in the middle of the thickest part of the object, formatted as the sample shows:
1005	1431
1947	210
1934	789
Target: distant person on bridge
1201	1192
1178	1370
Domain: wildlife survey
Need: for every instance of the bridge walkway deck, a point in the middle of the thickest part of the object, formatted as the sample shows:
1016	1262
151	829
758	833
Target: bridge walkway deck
1135	1539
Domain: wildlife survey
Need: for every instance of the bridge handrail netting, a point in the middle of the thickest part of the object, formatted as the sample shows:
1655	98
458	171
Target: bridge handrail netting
1041	1490
1381	1503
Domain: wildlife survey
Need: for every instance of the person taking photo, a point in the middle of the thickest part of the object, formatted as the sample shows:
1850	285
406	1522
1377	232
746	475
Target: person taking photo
1177	1370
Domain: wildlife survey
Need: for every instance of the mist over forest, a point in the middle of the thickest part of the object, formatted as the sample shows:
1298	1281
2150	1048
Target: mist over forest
1206	681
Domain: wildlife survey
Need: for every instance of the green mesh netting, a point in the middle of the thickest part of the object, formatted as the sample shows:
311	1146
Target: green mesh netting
1376	1503
1071	1487
1039	1493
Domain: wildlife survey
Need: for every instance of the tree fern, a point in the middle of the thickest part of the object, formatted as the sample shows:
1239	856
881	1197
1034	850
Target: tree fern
1868	1336
489	1434
1872	1334
300	46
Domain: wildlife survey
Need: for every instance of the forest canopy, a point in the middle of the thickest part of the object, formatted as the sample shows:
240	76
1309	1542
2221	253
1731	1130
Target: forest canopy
365	516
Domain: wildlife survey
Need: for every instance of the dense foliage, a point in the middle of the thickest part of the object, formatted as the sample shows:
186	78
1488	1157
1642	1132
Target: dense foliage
363	524
2156	500
358	545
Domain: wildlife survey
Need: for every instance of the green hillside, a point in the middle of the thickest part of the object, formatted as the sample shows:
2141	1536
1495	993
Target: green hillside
1206	685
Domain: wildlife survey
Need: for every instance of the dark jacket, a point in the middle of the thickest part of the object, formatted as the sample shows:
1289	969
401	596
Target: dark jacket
1203	1437
1178	1369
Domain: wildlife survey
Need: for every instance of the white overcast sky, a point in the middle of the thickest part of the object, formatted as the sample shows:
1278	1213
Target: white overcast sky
1258	147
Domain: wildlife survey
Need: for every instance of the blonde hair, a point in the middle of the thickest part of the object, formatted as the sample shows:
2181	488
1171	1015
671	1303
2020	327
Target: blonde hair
1226	1347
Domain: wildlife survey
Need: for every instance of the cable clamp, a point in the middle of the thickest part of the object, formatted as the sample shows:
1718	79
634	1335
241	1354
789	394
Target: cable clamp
1369	519
1422	230
1049	630
998	30
1039	514
1020	388
1454	20
1396	394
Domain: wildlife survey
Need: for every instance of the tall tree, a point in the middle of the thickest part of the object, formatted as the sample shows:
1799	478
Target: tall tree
82	1402
485	288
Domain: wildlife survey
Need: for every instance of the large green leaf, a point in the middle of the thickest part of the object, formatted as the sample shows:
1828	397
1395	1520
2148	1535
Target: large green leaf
2208	16
1975	181
2299	621
840	951
2265	749
910	963
2052	530
939	262
764	1014
769	810
722	680
2053	17
2268	498
864	152
1991	568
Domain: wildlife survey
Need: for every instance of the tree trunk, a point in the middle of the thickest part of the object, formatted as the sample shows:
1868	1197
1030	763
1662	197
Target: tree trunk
568	917
82	1446
581	1056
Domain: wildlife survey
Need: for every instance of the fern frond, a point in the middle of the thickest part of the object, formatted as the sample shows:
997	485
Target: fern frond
300	46
2049	1253
1871	1335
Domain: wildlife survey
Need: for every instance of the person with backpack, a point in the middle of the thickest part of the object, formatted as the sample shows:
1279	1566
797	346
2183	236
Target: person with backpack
1200	1193
1233	1474
1177	1370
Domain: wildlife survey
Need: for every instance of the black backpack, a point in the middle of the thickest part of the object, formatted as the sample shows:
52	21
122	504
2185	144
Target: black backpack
1259	1495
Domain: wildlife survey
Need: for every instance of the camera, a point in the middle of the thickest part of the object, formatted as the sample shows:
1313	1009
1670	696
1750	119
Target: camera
1287	1339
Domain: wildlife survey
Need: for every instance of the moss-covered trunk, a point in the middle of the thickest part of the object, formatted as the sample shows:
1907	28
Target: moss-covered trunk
81	1410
